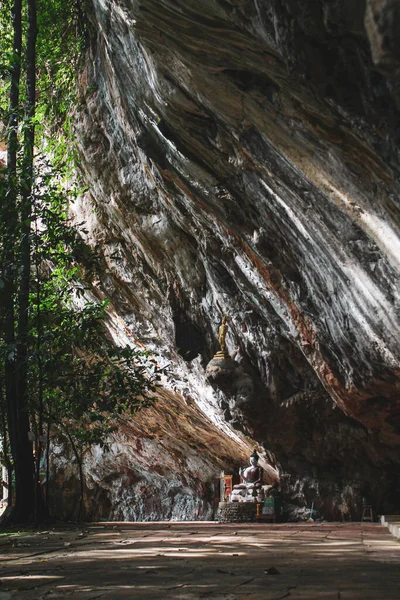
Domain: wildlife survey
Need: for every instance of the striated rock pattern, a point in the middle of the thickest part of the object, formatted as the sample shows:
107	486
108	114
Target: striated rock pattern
164	466
242	158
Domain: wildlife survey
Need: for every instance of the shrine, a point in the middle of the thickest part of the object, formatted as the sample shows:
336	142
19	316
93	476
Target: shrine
250	499
246	496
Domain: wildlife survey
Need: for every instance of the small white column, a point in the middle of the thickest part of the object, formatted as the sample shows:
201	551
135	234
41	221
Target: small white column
4	480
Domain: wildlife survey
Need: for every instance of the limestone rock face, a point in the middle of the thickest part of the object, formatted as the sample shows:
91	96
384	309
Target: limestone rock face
163	466
242	158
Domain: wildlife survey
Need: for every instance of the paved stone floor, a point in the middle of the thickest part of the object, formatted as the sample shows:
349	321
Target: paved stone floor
202	560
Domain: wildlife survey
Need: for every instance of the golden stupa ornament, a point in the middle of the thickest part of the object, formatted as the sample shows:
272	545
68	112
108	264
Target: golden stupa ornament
222	354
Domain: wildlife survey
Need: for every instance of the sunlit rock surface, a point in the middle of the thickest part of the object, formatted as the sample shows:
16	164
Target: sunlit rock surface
164	465
242	158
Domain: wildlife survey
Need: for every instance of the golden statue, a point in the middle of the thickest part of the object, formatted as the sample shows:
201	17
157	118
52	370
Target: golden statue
222	334
222	331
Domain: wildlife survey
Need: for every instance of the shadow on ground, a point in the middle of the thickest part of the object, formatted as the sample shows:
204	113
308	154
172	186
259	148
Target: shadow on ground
202	560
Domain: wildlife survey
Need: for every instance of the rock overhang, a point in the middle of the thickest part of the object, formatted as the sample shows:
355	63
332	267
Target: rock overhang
243	158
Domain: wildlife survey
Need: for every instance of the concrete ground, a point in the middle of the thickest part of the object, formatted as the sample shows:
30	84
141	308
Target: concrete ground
186	561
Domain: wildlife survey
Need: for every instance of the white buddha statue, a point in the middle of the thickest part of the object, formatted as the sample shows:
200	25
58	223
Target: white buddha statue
249	489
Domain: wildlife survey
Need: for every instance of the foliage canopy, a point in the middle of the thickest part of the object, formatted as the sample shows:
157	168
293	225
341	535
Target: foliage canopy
59	369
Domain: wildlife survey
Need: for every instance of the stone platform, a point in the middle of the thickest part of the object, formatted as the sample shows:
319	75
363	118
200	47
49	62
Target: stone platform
199	560
392	522
237	512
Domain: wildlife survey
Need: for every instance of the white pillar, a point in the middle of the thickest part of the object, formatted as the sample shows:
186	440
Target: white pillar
4	479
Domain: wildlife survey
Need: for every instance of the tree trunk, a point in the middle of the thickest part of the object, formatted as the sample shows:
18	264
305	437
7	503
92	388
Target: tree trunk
24	475
81	475
5	442
47	468
41	501
10	216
